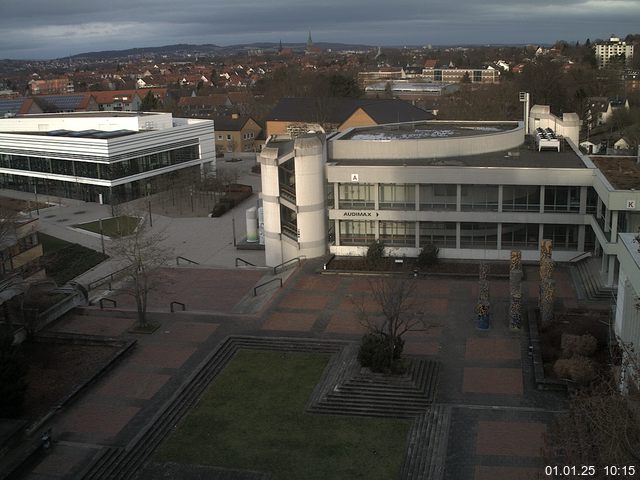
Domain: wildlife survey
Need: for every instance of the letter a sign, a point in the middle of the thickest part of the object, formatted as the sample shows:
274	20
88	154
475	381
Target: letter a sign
354	177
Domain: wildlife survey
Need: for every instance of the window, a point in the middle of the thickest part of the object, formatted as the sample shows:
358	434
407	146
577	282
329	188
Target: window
520	198
440	234
522	236
479	235
398	234
219	137
564	237
438	197
228	136
397	196
356	195
480	197
562	199
356	232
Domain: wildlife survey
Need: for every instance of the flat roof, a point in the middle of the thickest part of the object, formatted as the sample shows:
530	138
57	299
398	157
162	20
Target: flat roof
525	156
426	130
96	134
623	173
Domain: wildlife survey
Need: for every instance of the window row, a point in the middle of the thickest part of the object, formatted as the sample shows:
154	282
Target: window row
111	171
475	235
515	198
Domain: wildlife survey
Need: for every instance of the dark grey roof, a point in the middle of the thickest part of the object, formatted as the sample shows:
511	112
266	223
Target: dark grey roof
61	102
229	124
337	109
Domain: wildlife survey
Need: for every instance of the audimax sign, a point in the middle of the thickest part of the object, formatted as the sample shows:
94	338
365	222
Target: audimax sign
360	214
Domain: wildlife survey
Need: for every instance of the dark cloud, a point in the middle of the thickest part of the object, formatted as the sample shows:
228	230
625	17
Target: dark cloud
54	28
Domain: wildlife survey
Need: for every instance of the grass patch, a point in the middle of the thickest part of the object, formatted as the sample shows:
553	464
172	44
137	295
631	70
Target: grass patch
64	261
252	417
112	227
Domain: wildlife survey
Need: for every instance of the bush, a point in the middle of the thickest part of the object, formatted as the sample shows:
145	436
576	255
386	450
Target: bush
428	256
375	254
375	353
583	345
578	368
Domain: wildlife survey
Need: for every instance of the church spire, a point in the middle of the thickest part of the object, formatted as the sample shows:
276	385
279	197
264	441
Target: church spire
309	41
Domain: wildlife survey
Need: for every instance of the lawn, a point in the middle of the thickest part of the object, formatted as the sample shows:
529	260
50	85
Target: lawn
64	261
252	417
113	227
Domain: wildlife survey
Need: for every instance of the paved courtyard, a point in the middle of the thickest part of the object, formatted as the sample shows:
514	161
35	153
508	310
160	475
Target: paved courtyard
499	418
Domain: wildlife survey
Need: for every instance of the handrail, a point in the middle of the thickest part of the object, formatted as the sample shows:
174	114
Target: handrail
110	277
243	261
283	264
580	257
255	289
113	302
185	259
177	303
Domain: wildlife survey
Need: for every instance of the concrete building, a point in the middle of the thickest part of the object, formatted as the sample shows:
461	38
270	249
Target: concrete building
99	156
20	250
607	51
477	190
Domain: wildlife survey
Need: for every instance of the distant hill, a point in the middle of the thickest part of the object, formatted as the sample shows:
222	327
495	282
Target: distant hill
209	49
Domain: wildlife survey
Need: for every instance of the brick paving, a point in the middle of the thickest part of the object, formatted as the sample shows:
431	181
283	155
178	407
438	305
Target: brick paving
288	321
492	349
506	473
498	416
516	439
495	381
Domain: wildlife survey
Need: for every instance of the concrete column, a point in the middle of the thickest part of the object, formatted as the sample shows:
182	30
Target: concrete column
458	234
614	226
336	195
540	233
417	195
611	271
376	196
458	198
583	200
604	264
598	208
336	230
541	202
376	229
581	237
499	236
500	193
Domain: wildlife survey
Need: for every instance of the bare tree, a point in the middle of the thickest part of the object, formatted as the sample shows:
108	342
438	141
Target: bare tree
399	311
145	254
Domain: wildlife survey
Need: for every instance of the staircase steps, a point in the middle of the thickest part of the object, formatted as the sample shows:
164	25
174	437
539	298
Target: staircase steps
427	445
360	392
591	281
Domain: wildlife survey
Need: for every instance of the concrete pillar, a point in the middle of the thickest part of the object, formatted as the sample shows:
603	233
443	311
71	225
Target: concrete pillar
607	221
598	208
614	226
376	196
336	195
499	234
612	271
271	204
417	196
541	201
604	264
581	237
500	195
458	235
417	224
583	200
458	198
540	233
337	231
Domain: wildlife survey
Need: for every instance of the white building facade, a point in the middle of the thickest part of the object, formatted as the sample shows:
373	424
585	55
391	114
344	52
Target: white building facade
612	49
99	156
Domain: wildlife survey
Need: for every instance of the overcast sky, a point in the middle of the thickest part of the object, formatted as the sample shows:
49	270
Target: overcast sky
37	29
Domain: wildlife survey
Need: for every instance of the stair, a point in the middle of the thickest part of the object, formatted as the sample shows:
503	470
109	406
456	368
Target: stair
589	277
427	445
348	389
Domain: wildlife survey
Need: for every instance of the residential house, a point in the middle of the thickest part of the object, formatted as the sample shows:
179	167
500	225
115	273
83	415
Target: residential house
338	114
237	134
20	249
51	86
